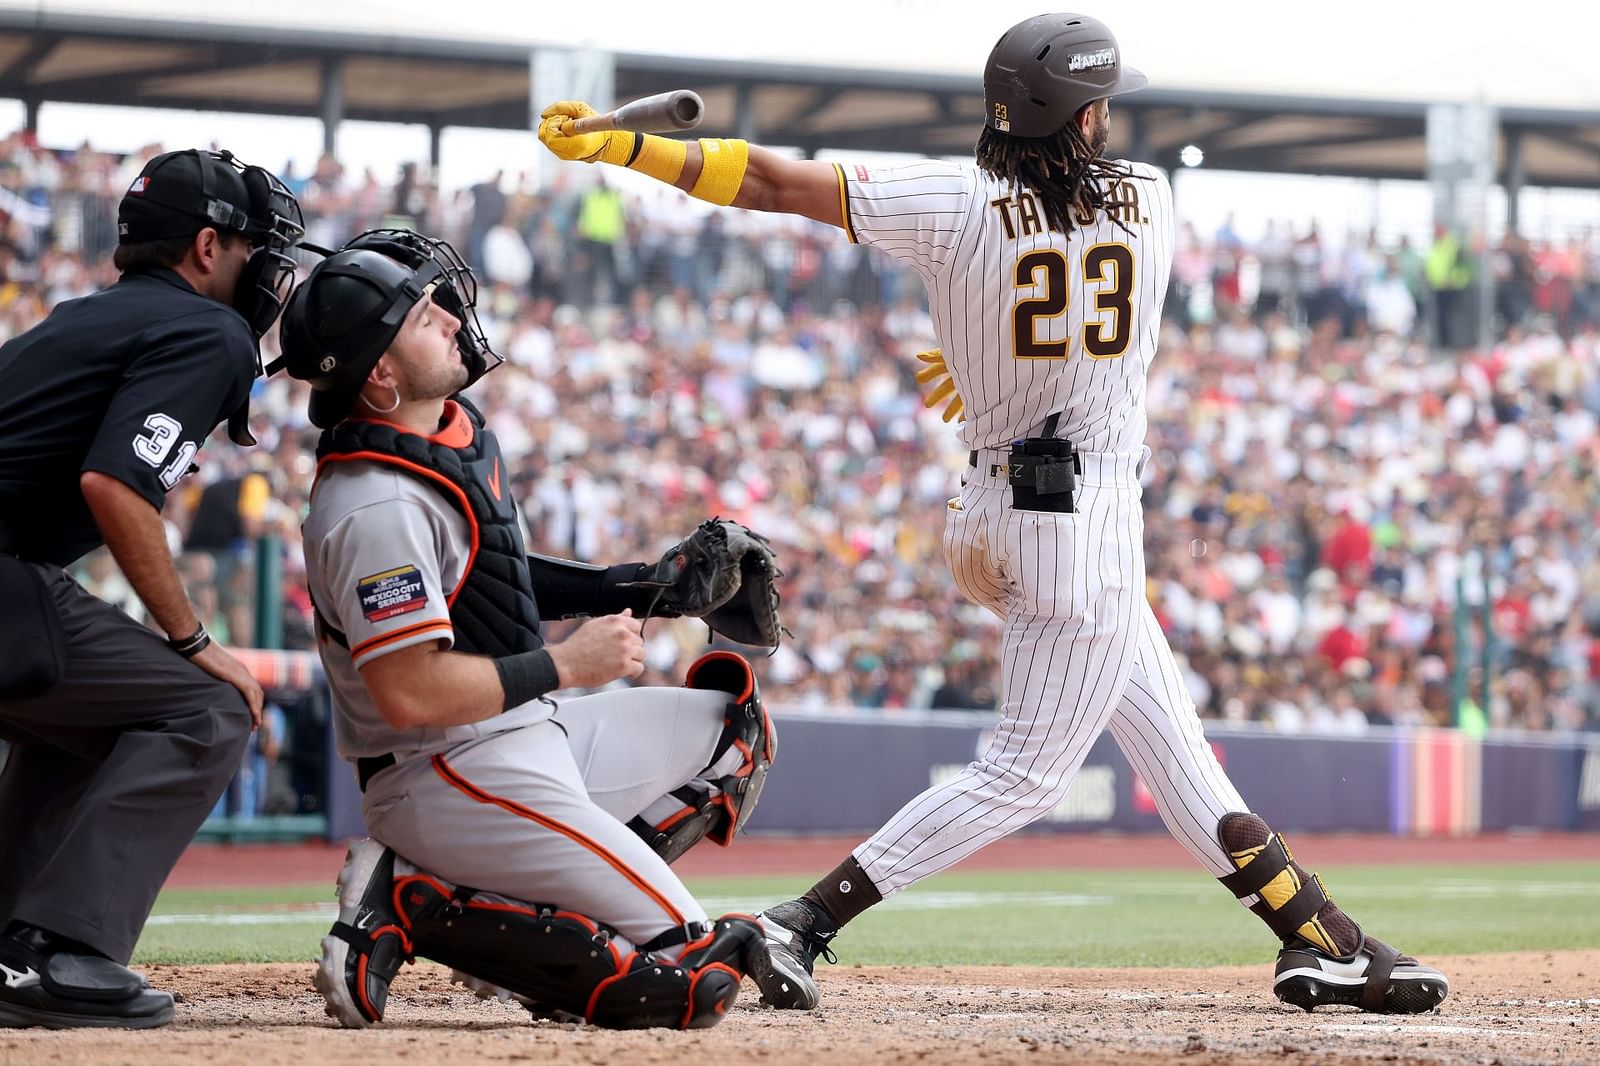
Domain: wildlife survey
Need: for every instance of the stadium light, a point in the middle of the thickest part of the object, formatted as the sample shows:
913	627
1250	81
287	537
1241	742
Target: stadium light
1191	156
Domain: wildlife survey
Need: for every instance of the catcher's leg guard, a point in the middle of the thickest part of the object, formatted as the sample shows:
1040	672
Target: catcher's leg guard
365	947
693	993
1325	957
699	812
561	964
723	810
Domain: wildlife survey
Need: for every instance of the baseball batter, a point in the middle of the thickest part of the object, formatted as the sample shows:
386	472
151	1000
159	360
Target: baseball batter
1045	266
562	815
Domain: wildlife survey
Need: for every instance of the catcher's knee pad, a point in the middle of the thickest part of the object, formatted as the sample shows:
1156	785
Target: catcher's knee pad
1292	902
746	727
721	812
568	963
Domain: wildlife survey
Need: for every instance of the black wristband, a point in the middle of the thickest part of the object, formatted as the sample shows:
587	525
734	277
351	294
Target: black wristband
526	676
192	645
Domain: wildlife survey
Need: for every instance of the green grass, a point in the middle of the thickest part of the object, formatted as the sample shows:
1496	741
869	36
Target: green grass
1054	918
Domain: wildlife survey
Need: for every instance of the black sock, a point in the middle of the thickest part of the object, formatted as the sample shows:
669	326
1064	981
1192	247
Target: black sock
844	893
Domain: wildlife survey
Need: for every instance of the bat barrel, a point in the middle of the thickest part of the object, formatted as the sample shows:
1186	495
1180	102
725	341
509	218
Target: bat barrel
685	109
666	112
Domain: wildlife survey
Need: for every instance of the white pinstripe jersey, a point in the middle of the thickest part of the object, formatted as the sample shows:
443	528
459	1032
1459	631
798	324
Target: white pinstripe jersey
1032	321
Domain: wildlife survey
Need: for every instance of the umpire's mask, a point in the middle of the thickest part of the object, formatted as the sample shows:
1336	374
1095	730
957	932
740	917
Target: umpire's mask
177	194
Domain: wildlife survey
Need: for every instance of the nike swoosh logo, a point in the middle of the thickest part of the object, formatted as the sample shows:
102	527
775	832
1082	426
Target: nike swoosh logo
23	979
494	480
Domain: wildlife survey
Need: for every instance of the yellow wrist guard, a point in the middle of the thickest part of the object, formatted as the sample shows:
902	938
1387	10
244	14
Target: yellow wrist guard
658	157
723	173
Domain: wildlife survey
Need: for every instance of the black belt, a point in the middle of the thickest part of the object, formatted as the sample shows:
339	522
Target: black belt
368	767
1048	430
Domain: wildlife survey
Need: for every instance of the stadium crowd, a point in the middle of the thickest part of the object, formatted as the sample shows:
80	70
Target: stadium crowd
1343	487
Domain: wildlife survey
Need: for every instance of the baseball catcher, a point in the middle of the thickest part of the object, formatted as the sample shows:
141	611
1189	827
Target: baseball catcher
517	835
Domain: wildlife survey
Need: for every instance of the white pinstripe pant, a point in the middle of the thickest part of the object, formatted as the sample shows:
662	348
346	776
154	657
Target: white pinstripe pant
1082	651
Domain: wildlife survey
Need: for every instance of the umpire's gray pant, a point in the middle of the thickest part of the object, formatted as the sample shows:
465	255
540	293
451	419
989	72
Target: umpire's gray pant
111	773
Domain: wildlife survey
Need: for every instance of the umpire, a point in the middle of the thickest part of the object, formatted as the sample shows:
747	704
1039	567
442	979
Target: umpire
123	739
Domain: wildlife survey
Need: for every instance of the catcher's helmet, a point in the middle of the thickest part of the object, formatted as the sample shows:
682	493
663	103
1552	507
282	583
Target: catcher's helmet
1044	69
344	316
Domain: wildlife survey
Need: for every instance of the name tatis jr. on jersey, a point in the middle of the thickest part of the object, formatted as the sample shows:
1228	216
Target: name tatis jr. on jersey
1032	321
1021	215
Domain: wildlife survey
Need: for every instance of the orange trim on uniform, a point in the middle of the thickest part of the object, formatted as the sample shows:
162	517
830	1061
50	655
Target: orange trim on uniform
431	475
446	771
385	639
844	205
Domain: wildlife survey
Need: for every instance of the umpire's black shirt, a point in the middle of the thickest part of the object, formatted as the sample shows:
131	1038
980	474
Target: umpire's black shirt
127	382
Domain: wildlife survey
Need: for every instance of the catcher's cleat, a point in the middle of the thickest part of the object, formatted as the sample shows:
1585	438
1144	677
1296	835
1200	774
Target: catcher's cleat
797	932
364	949
488	990
1375	977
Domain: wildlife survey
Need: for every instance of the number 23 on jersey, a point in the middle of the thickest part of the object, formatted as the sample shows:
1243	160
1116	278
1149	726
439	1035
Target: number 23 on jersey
1110	266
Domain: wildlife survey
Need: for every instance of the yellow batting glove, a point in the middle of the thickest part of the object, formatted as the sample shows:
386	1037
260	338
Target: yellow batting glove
937	373
555	133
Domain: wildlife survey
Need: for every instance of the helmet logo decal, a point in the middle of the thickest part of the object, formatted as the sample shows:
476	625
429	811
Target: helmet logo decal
328	363
139	185
1096	60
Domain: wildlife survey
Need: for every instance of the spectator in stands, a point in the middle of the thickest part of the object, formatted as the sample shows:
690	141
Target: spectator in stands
1262	423
1450	273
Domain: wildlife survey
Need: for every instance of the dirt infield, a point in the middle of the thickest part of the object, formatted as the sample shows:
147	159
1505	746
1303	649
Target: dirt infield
1506	1009
1540	1007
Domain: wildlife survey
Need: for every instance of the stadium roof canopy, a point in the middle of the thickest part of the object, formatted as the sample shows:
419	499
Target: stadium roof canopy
48	54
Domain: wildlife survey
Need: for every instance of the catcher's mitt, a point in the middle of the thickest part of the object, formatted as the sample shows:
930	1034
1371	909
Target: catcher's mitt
724	574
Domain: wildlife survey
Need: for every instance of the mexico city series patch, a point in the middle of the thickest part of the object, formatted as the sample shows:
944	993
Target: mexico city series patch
393	592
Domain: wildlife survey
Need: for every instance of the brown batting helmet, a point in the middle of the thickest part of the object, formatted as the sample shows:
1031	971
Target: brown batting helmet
1044	69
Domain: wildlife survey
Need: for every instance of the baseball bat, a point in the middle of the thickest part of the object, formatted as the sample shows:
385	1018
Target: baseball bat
667	112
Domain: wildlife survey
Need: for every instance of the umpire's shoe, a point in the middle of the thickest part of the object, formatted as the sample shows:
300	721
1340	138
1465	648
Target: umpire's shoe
797	932
58	985
366	946
1374	977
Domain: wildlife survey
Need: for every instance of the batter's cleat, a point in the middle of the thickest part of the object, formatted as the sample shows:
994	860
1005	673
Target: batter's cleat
797	932
58	985
1375	978
366	946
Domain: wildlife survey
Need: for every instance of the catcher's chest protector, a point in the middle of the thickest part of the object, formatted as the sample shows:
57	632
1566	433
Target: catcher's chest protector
492	609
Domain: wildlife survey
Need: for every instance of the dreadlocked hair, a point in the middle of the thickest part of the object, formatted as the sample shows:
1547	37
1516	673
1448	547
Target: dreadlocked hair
1071	180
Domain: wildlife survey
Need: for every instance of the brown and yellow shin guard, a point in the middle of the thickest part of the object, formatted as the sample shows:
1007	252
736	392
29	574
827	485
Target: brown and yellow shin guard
1291	901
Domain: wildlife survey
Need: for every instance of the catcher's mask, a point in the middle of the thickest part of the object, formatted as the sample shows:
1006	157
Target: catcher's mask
346	313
